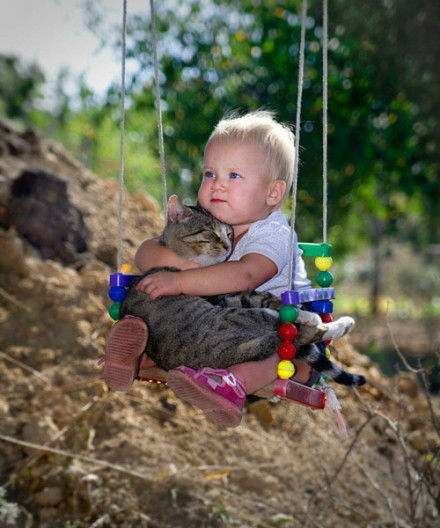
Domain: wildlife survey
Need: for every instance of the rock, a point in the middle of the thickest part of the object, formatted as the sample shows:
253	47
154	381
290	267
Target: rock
41	211
50	496
43	355
147	202
84	328
107	253
418	441
261	410
4	407
407	384
39	431
12	258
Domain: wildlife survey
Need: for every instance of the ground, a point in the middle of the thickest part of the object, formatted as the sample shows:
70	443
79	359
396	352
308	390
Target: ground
74	454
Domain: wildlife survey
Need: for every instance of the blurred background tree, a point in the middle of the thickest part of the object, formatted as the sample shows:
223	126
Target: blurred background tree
222	55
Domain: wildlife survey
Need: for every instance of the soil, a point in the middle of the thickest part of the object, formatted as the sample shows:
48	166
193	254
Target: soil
146	459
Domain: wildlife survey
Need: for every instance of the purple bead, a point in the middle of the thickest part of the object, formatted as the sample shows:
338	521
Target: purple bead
309	295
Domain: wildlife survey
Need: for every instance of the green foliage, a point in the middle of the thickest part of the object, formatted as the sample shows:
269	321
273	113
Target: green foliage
224	55
19	87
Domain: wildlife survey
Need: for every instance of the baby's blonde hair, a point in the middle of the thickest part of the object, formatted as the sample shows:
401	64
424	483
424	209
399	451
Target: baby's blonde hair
260	127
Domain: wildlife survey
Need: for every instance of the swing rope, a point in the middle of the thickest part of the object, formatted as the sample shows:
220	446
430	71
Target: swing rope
297	143
158	108
121	179
291	267
324	116
298	130
121	141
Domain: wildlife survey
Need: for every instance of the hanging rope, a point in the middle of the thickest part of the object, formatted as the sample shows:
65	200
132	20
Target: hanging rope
297	142
324	116
158	109
121	141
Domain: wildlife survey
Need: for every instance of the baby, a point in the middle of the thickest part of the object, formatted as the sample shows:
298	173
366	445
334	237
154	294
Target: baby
248	168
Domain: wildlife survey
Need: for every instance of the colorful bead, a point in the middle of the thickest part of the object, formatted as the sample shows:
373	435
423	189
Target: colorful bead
326	317
287	350
117	293
321	306
119	279
324	278
323	263
285	369
309	295
288	313
327	353
316	250
287	332
114	311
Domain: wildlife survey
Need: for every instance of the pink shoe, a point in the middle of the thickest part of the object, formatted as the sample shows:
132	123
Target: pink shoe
292	390
124	346
221	400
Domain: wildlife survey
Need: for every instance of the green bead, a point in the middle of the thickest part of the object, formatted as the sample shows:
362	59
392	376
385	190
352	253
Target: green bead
114	311
288	313
324	278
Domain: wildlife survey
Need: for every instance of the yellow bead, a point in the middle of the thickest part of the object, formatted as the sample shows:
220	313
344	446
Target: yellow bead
327	353
323	263
126	268
286	369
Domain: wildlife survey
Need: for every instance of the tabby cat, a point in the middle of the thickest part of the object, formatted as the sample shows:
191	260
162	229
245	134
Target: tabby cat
222	330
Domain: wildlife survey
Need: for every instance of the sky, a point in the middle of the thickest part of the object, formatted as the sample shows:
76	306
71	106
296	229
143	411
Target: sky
54	34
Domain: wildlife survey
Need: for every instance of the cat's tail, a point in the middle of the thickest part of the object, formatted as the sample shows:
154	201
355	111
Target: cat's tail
313	356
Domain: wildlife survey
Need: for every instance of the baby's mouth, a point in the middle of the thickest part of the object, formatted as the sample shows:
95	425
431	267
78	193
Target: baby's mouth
217	200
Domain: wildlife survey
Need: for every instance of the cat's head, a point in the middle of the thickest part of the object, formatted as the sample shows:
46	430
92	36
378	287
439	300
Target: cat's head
195	234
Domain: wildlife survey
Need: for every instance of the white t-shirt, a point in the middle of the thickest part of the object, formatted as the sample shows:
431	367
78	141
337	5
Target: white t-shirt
271	237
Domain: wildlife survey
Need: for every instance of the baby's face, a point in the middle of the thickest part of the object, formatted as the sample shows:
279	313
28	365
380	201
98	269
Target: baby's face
236	183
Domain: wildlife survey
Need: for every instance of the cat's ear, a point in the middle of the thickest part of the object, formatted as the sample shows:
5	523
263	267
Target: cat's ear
176	211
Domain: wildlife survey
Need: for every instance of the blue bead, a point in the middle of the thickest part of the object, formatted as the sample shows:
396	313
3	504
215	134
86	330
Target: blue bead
117	293
321	306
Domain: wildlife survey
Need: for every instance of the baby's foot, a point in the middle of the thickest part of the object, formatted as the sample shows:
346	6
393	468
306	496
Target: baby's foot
219	394
124	346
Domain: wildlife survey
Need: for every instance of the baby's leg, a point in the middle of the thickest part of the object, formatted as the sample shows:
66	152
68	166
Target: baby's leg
258	374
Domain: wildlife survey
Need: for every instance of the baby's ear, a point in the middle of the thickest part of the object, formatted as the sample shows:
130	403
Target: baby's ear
276	192
176	211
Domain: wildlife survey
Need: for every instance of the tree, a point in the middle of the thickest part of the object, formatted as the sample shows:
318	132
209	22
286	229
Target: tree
19	86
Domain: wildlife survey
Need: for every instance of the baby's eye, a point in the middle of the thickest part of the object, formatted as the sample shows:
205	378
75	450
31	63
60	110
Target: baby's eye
234	175
208	174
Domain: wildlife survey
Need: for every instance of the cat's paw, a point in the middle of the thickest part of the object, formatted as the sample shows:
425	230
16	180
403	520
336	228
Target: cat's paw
339	328
308	318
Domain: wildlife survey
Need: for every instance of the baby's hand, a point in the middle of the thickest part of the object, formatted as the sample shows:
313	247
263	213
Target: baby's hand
161	283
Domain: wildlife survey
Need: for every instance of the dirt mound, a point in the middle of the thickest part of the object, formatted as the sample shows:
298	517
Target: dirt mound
146	459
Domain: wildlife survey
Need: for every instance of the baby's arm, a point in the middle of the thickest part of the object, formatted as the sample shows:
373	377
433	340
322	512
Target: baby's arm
152	254
247	273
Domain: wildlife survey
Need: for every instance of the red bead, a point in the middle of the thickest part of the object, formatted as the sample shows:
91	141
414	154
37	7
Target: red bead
287	350
328	342
326	317
287	332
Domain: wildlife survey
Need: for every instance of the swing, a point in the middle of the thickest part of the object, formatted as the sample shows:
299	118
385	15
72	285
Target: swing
317	300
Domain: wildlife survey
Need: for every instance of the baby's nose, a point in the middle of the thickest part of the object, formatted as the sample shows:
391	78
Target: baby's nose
218	184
